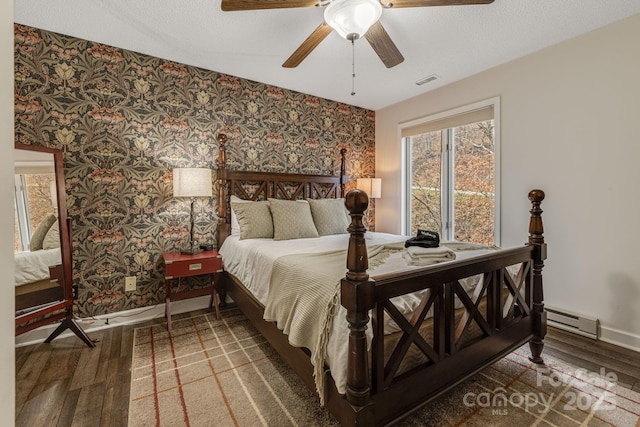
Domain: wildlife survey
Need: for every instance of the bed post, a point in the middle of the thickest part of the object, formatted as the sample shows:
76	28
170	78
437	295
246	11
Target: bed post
222	200
343	171
536	238
357	297
224	229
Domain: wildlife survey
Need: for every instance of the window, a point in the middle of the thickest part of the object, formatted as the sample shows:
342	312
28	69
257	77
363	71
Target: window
451	164
35	199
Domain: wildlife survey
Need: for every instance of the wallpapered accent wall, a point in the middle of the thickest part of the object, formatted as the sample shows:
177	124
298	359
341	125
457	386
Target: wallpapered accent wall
124	120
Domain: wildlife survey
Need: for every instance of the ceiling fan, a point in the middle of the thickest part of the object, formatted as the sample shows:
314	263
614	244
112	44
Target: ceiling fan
350	18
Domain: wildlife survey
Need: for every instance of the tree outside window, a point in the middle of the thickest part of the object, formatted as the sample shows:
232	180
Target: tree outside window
33	191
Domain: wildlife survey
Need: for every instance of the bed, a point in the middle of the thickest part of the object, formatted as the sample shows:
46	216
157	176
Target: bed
451	331
38	271
35	278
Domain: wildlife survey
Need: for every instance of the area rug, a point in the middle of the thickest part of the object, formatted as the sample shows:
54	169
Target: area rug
212	372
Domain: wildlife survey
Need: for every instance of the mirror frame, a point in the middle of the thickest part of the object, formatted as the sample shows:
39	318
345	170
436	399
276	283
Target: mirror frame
25	322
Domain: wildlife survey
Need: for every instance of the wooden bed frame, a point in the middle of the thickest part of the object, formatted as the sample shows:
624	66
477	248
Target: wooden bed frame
41	292
376	394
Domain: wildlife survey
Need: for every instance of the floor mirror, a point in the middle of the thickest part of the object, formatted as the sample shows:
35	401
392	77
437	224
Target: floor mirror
43	253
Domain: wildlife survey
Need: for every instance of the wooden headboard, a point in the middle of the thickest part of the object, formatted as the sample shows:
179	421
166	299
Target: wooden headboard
250	185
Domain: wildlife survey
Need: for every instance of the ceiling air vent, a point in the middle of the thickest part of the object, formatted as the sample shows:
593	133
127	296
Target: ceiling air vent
427	79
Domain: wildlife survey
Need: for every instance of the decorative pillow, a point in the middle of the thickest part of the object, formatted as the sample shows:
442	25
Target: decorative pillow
254	219
292	219
52	238
235	225
41	230
330	216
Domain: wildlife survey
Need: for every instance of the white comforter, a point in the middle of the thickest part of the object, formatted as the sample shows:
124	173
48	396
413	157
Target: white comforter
33	266
252	260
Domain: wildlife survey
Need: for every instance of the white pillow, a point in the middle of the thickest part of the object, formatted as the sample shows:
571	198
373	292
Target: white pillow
235	225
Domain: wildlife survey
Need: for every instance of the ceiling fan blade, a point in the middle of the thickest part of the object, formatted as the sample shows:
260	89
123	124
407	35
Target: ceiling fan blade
380	41
233	5
423	3
307	46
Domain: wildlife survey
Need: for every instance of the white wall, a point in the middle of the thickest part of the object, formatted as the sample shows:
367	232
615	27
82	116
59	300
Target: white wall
570	126
7	302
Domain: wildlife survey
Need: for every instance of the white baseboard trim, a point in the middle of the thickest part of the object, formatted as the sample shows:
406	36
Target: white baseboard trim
620	338
569	329
138	315
120	318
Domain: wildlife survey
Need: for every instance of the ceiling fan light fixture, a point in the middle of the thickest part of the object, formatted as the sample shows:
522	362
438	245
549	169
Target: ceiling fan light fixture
352	18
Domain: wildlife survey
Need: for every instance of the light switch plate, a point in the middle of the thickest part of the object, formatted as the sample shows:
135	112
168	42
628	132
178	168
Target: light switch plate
130	283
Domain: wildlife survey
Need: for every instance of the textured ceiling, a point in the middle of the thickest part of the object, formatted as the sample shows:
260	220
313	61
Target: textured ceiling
453	41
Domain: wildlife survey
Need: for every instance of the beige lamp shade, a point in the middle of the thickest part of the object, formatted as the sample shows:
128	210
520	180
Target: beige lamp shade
192	182
371	186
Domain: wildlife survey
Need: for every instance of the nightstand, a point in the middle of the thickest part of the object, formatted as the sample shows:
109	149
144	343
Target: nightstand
177	266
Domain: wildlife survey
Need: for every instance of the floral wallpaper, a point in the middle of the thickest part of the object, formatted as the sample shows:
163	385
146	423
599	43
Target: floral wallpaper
124	120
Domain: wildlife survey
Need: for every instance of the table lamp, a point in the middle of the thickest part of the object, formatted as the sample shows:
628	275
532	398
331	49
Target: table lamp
373	188
192	183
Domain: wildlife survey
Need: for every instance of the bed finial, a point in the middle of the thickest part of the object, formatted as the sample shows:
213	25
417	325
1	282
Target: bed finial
535	222
222	151
357	202
343	171
536	238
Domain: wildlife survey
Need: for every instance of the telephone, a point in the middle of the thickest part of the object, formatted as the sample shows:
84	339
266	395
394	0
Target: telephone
425	239
432	236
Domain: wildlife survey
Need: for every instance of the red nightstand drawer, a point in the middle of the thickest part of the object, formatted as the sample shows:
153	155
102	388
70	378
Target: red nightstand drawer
178	265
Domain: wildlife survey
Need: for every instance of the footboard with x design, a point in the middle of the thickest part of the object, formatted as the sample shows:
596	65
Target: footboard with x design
452	335
448	319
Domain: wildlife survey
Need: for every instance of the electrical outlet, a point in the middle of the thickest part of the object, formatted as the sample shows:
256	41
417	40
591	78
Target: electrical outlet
130	283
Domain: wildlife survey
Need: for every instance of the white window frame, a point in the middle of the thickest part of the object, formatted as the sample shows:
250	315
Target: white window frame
21	203
447	180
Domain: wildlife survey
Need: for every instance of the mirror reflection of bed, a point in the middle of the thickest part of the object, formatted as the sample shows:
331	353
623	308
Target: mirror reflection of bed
43	264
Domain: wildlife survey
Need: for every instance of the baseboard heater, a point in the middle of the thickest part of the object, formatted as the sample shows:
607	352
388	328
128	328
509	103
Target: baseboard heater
572	322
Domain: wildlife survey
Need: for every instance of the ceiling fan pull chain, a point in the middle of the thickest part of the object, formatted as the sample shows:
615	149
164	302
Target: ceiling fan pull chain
353	67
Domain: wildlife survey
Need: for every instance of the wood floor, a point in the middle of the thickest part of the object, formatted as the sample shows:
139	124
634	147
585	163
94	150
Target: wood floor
68	384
